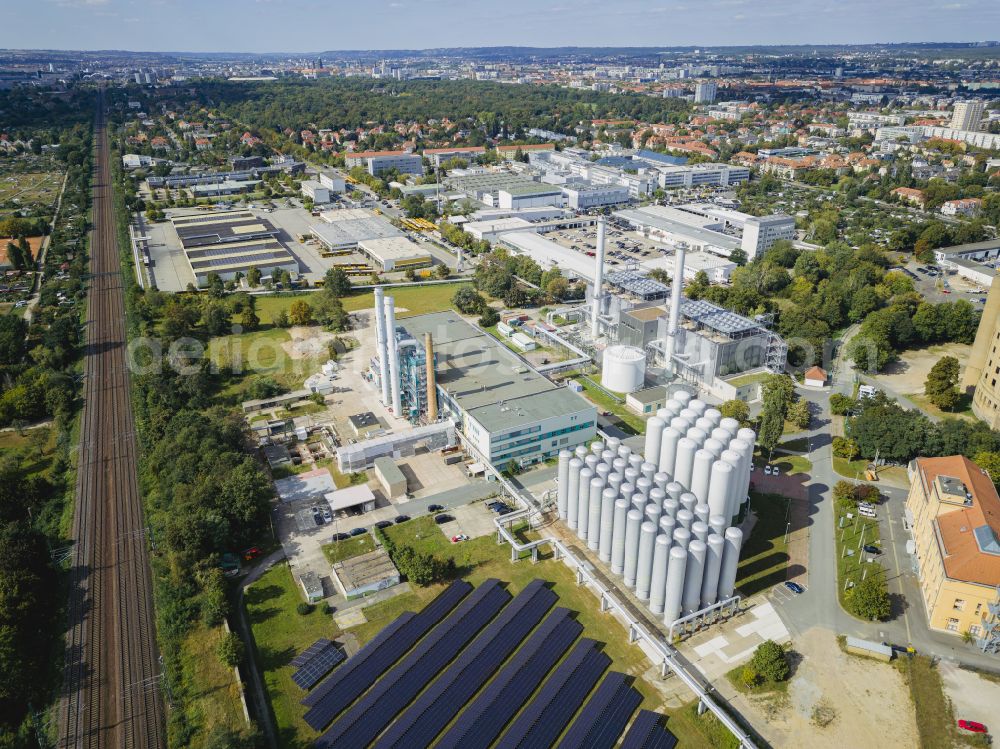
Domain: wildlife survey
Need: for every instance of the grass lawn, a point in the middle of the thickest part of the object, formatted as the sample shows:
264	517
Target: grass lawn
216	698
851	536
790	464
797	445
850	468
352	547
735	677
697	731
764	556
627	421
962	411
259	354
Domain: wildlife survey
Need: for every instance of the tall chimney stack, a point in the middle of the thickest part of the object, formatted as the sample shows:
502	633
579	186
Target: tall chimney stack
598	279
676	284
390	325
383	348
432	404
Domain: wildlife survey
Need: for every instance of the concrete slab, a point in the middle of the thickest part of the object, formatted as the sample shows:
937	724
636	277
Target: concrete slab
974	697
350	618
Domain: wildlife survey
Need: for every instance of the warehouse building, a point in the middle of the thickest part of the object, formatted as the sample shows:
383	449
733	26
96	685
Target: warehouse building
976	261
390	478
365	574
438	156
389	254
341	230
584	197
315	191
531	195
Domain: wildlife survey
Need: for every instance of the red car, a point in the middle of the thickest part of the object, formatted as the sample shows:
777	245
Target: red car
252	553
973	726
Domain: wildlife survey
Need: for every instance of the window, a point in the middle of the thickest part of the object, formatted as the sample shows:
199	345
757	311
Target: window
975	630
979	608
959	605
952	625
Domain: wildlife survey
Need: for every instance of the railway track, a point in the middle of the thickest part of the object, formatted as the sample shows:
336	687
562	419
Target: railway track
111	686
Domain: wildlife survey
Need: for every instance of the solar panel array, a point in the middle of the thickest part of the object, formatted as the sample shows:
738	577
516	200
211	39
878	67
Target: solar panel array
395	689
346	684
302	658
545	717
319	665
647	732
446	696
604	717
484	720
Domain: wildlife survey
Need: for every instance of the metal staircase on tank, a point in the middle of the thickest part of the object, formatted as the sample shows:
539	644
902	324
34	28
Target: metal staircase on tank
989	641
776	353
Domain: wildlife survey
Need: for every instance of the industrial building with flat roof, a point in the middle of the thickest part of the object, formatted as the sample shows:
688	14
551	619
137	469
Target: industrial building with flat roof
230	243
365	574
379	162
394	253
343	229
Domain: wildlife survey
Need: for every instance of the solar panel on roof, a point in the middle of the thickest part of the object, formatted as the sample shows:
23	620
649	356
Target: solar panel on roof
346	684
440	702
604	717
317	667
647	732
370	715
482	721
309	652
545	717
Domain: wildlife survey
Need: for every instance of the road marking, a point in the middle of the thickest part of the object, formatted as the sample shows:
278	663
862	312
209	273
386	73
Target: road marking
899	574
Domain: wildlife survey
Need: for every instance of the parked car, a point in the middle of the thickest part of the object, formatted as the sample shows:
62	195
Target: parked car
441	519
767	470
435	508
358	531
867	514
872	549
401	519
775	471
795	587
327	515
383	524
252	553
972	726
340	537
459	538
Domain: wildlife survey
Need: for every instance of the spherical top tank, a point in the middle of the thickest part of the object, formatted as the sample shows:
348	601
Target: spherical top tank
623	369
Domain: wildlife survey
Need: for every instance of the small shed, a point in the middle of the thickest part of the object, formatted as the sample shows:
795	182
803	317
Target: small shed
352	497
365	574
647	401
364	424
392	480
815	377
312	586
867	647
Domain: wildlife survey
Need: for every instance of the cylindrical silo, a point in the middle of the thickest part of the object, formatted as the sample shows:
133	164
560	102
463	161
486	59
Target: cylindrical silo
713	566
608	497
639	502
593	536
714	414
697	405
667	525
597	447
701	474
603	471
723	436
615	482
635	461
608	457
690	414
656	496
631	475
718	524
686	449
612	444
644	564
747	453
573	492
738	455
674	590
671	506
643	485
652	512
689	502
618	465
581	452
705	424
648	470
623	369
685	518
702	513
675	489
682	396
723	474
658	579
680	424
693	576
633	523
591	462
699	530
668	449
583	503
660	480
714	446
564	458
730	562
624	451
618	536
626	490
682	536
654	432
697	435
731	425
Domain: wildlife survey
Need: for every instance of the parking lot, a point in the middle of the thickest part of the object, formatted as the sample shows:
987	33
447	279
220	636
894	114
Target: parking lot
937	285
621	246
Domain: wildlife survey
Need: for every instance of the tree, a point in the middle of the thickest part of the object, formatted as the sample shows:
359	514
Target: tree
281	319
337	283
844	447
442	271
489	318
231	649
841	404
941	386
253	277
216	318
468	301
989	462
869	599
770	661
249	320
886	428
515	297
772	424
798	413
736	409
738	256
410	275
300	313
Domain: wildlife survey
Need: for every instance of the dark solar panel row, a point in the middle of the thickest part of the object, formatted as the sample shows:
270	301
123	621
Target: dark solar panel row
647	732
545	717
604	717
485	719
302	658
348	683
439	704
317	667
367	718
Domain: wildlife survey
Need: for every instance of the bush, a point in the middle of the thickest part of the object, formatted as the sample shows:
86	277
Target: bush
769	660
304	608
845	447
869	599
489	317
421	569
231	649
840	404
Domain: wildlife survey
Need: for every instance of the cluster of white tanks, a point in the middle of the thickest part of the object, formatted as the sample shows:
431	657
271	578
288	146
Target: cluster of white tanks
663	519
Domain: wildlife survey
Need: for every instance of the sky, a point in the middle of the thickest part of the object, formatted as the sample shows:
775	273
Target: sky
317	25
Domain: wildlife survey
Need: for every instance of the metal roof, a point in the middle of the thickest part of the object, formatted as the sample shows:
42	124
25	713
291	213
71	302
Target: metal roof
637	283
717	318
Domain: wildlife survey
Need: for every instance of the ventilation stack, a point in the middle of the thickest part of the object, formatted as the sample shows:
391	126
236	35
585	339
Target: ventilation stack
598	281
383	348
432	399
676	284
393	348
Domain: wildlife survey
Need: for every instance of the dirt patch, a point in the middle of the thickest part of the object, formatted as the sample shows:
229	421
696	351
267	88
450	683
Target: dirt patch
907	375
307	342
835	699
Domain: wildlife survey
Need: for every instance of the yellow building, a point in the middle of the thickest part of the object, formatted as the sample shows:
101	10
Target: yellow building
954	512
983	370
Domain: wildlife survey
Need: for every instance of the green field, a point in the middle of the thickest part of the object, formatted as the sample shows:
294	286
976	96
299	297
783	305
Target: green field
351	547
627	421
764	556
216	704
854	534
791	464
280	632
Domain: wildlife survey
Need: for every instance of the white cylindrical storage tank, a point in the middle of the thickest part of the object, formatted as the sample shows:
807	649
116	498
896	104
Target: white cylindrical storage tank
639	502
682	536
602	472
573	492
682	396
594	521
718	524
614	482
624	451
648	470
667	525
591	462
643	486
654	432
635	461
714	446
693	576
564	458
623	369
699	530
660	480
608	457
685	518
690	414
652	513
737	456
731	425
668	450
686	449
581	452
704	424
722	436
597	447
697	405
657	496
583	503
674	590
613	444
680	424
618	536
714	415
697	435
701	474
689	502
633	522
658	579
644	565
730	562
721	489
675	489
671	506
608	497
618	465
631	476
713	566
702	513
626	490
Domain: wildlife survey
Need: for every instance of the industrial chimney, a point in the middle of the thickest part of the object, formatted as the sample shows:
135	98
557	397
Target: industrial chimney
390	324
432	403
598	279
383	349
676	284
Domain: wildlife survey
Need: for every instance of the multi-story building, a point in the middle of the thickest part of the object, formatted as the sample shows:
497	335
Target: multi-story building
378	162
704	93
761	232
954	513
582	197
702	174
967	115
